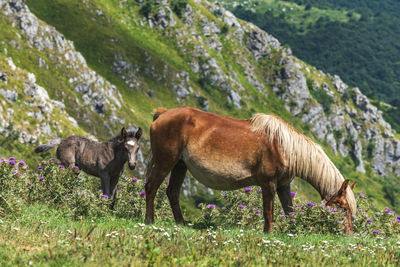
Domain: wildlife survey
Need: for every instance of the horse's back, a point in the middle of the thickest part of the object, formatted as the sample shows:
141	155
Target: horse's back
221	152
82	152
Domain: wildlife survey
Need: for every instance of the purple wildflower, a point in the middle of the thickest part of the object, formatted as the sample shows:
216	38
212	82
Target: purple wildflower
375	232
260	191
61	166
241	207
247	189
41	178
387	210
104	196
134	179
211	206
258	211
369	220
310	204
292	194
40	167
398	217
22	163
13	172
12	162
76	168
142	193
291	213
334	210
282	216
11	158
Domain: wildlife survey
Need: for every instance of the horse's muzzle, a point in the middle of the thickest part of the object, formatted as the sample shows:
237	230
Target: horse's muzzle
132	167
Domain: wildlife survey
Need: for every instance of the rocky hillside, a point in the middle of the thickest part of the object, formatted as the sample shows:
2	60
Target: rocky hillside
90	67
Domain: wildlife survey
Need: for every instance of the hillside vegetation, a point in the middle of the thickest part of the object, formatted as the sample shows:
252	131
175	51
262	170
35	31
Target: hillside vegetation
355	39
108	64
51	216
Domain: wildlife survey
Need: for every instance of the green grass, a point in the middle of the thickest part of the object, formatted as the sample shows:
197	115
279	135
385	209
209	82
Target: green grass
300	16
42	235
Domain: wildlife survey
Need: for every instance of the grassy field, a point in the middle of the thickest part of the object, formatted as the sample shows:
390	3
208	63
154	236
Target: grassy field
52	216
45	236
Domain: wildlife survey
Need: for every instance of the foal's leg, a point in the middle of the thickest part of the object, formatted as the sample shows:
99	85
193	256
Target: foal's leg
105	183
285	198
177	176
268	194
113	187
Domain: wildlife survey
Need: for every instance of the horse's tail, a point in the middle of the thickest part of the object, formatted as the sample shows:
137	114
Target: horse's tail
158	112
46	147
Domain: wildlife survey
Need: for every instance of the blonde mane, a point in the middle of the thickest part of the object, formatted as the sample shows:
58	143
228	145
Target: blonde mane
303	158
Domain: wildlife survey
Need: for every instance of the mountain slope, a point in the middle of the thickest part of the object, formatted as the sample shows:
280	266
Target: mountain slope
355	39
134	57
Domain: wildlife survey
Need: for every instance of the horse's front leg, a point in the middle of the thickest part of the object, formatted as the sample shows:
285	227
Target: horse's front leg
268	194
105	183
349	223
285	198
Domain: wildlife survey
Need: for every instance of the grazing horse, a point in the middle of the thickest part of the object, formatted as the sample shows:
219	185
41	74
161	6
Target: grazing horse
226	154
105	160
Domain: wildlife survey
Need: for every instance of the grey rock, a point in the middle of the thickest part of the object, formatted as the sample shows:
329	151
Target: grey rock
202	101
330	139
342	147
357	150
378	164
340	86
9	95
234	98
3	77
182	92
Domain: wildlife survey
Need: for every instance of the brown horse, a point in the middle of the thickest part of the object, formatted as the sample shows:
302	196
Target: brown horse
105	160
225	153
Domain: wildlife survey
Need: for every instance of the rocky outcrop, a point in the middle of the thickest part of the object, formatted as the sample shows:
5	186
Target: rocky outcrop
96	92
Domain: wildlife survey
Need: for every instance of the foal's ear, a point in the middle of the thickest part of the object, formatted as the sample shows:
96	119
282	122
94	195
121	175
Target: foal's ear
124	134
138	133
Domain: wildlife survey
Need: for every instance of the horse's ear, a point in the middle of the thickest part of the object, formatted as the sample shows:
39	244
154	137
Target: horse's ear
139	133
352	185
344	187
124	134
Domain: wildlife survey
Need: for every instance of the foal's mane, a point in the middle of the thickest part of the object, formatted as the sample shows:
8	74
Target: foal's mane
303	157
118	136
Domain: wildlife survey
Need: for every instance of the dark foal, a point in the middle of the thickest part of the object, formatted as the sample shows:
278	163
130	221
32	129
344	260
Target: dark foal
105	160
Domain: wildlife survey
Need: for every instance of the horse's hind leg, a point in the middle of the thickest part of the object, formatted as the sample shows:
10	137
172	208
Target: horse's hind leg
177	176
155	176
285	198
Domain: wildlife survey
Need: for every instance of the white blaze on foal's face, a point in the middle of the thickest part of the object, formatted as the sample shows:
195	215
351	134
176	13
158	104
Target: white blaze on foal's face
131	143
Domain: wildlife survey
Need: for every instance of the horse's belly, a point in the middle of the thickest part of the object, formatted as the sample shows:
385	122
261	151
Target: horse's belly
219	175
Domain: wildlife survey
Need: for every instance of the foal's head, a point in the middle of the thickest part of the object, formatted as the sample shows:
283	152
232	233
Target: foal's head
131	145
